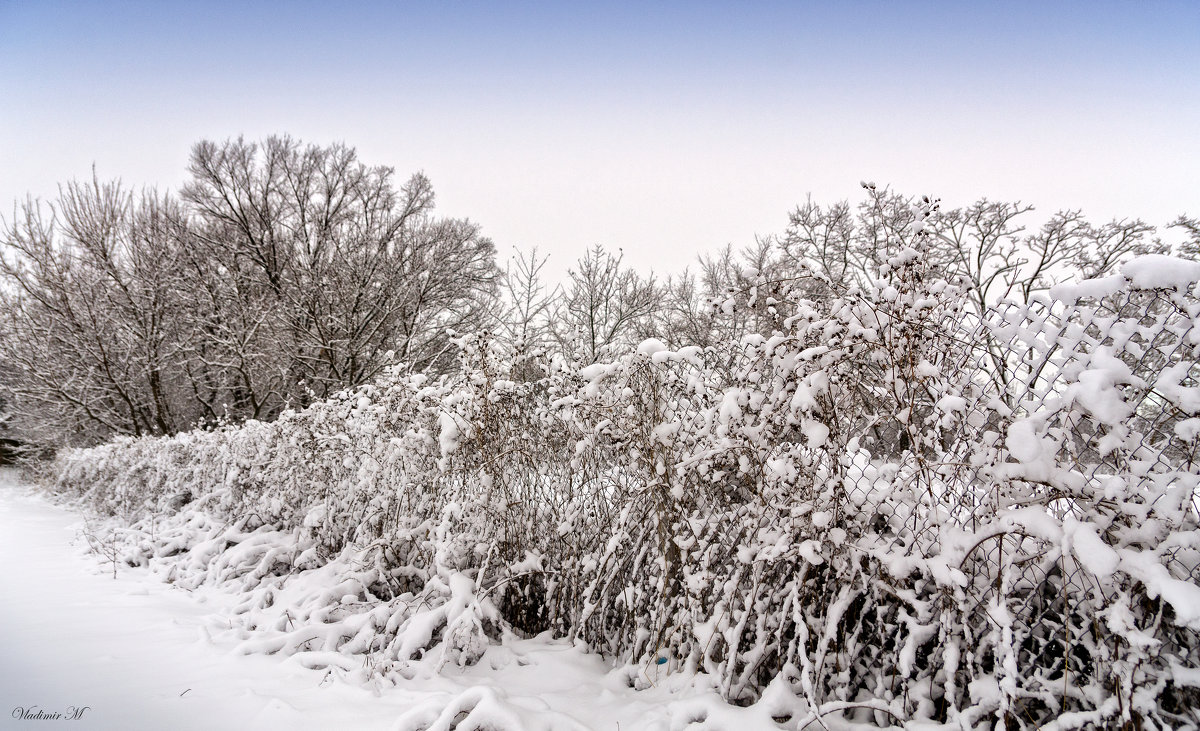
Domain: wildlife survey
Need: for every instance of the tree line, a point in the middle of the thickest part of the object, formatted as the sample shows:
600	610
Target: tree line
282	272
278	274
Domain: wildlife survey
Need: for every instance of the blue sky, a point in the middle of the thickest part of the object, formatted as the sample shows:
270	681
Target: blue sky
665	129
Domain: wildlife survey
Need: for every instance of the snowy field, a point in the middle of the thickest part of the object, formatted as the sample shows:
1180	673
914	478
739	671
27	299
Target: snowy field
138	654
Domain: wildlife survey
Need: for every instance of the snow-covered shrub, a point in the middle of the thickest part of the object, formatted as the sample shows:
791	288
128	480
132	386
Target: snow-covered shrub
891	508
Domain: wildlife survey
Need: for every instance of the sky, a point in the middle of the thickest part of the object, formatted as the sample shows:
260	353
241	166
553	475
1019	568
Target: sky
664	129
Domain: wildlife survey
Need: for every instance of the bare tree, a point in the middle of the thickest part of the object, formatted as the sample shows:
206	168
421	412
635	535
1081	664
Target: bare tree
985	243
349	267
285	272
526	305
92	328
604	305
1190	248
732	294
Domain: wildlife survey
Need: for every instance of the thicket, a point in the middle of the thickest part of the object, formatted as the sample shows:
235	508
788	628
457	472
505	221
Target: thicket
879	488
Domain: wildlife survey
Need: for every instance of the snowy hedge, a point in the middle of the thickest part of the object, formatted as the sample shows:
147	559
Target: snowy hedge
891	510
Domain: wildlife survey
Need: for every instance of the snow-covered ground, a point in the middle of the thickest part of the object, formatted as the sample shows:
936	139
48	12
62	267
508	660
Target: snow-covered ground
137	654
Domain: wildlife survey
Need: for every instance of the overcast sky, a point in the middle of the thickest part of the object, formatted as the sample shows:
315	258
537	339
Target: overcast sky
666	129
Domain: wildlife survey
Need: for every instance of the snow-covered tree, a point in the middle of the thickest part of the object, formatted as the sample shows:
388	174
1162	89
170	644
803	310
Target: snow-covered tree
283	273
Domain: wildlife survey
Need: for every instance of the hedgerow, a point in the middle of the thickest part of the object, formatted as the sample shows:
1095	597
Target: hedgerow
892	509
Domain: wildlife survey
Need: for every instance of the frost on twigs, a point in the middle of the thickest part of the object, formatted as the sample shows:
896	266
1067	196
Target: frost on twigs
894	508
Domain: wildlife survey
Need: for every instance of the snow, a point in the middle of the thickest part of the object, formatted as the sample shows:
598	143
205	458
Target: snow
449	433
130	650
1096	389
650	346
1100	287
1159	271
1170	385
1183	596
1092	552
142	654
1023	442
1149	271
815	432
